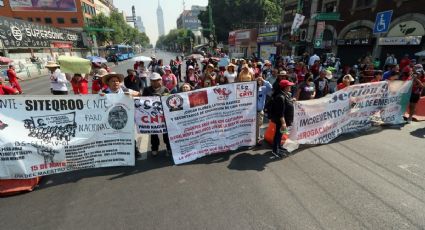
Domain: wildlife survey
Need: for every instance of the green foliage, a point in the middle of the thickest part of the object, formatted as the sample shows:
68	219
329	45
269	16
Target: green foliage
231	15
176	39
123	33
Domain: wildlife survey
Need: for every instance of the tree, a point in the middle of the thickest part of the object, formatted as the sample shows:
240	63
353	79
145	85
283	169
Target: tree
122	32
231	15
176	40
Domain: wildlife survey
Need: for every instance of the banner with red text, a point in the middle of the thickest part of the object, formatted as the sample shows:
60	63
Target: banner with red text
149	116
41	135
211	120
354	108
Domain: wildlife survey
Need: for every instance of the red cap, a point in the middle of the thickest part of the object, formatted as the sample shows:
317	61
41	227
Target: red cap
285	83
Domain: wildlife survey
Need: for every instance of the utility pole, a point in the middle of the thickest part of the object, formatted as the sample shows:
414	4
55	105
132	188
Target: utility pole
211	24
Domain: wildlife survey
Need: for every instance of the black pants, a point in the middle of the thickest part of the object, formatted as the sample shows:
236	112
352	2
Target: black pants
155	141
277	137
54	92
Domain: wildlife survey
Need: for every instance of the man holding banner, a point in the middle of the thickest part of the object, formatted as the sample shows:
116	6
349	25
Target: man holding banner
157	89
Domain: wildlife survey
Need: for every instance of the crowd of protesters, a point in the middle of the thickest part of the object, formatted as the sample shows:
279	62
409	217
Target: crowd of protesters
280	82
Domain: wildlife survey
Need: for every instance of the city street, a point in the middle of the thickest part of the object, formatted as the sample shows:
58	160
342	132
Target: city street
366	180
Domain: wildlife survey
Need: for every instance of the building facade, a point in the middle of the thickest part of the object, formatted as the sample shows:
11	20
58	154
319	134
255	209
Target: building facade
160	20
104	7
188	19
346	28
139	25
69	15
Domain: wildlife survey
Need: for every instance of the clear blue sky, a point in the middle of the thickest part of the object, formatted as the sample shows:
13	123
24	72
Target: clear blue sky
147	10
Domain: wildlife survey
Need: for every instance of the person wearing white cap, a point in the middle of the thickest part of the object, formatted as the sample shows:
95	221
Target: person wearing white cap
346	81
157	89
58	80
231	73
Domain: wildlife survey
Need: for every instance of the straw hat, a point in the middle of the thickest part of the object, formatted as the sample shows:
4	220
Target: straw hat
101	72
51	64
107	77
231	65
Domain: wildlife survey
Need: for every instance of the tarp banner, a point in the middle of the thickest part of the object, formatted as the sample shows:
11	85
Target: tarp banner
40	135
149	116
211	120
351	109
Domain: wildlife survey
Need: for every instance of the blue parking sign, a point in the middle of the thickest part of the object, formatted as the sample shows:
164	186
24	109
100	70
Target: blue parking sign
382	22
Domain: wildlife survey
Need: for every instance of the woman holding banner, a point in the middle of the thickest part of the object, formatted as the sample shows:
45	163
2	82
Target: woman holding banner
282	114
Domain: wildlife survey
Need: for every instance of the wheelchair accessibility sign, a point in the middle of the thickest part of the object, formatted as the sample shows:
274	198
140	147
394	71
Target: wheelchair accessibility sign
382	22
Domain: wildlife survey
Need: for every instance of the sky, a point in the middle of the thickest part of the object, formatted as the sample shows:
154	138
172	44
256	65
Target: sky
147	10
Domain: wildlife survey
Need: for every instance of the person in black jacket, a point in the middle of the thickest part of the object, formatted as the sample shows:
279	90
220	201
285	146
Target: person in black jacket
282	114
157	89
132	81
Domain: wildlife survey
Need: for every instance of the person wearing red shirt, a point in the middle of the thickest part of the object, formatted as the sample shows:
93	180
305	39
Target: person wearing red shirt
136	66
79	84
98	85
6	90
346	81
405	61
13	78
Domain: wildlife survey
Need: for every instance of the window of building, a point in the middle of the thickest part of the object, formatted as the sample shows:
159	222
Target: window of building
330	7
364	3
48	20
74	20
38	19
60	20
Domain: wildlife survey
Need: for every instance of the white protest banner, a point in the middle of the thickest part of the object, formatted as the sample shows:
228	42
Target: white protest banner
149	116
211	120
41	135
351	109
298	21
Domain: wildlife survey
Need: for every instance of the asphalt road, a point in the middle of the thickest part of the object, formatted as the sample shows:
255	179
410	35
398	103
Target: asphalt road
367	180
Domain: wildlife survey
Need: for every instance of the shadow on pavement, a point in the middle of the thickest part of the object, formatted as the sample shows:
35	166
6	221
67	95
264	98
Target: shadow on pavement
114	172
419	133
246	161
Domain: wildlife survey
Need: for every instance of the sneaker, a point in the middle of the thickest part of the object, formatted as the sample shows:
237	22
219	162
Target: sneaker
154	153
409	120
277	155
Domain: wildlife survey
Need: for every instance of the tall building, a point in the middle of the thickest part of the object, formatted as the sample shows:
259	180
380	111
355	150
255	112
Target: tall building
160	19
139	25
189	20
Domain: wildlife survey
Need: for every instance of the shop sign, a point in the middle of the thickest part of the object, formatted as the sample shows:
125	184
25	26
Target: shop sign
360	41
18	33
243	35
407	28
270	30
267	39
328	16
408	40
232	38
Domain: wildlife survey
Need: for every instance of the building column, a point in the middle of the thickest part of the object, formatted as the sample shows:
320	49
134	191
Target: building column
311	25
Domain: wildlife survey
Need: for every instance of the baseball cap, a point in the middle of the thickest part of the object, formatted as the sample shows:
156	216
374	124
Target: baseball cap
167	68
283	73
190	67
155	76
285	83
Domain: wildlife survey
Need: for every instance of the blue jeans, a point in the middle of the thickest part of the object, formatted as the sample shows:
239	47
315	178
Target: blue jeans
144	82
277	137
